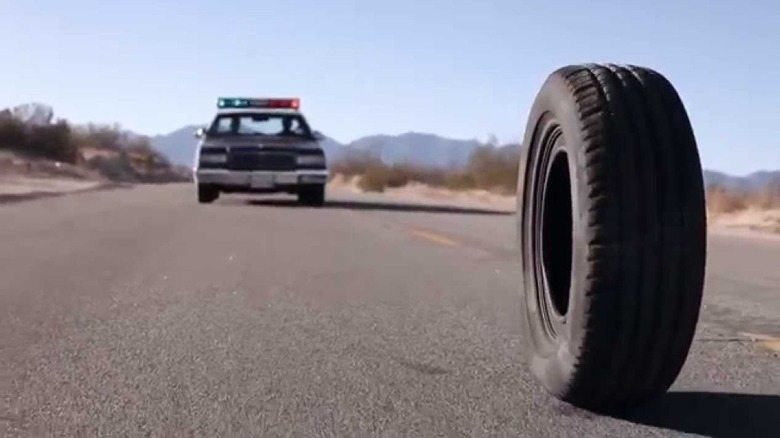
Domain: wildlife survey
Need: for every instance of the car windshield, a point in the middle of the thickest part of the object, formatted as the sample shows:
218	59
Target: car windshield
259	124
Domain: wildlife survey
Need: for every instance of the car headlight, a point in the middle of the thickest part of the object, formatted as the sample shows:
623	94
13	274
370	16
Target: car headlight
311	160
213	158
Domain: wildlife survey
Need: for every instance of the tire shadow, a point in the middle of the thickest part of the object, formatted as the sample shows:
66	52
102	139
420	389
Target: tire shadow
380	206
721	415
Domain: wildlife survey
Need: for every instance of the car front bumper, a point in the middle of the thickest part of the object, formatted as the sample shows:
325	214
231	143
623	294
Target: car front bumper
260	180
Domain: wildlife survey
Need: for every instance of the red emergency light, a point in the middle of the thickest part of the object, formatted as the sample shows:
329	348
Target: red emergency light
284	103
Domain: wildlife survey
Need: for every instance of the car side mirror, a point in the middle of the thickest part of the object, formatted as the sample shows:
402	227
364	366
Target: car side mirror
318	136
200	133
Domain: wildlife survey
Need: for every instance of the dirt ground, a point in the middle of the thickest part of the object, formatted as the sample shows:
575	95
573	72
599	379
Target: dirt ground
15	186
421	193
767	221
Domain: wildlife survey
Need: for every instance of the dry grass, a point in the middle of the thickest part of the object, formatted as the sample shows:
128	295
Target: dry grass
754	210
487	168
724	201
495	170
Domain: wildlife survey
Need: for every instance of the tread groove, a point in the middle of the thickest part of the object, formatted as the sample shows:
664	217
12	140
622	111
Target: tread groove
663	308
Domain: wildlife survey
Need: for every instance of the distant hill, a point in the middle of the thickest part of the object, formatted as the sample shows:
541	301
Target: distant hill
411	147
417	148
178	146
753	181
333	149
422	148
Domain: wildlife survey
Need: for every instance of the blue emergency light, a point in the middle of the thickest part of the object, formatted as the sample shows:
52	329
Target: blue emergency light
242	102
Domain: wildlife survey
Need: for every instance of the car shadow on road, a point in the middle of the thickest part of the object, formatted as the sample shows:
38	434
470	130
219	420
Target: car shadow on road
381	206
720	415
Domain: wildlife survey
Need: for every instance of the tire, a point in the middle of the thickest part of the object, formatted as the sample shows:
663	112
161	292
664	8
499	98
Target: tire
312	195
612	234
207	194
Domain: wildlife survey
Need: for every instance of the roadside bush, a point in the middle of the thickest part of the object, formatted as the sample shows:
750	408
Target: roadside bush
374	179
355	162
493	169
52	142
107	137
130	158
488	168
721	200
770	196
12	134
117	168
460	180
145	156
496	169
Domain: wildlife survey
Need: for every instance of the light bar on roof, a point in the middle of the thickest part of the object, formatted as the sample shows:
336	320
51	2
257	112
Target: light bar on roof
243	102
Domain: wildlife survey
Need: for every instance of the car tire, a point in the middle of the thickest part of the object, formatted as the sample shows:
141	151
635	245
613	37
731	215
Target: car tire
312	196
207	194
611	227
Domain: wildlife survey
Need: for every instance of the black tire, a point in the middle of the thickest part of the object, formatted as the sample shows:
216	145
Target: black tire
312	195
207	194
612	232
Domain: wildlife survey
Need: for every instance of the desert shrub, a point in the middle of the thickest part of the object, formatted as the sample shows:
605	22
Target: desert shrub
374	179
12	134
355	162
496	169
107	137
459	180
723	200
769	197
488	167
147	155
131	158
117	168
52	142
493	168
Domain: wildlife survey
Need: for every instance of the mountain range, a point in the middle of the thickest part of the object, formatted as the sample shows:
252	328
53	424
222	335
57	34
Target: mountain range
411	147
420	148
425	149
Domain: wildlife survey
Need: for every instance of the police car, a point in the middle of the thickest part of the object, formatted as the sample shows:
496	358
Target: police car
260	146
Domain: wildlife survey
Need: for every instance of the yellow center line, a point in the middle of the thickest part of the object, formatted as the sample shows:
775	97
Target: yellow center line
770	345
434	237
764	341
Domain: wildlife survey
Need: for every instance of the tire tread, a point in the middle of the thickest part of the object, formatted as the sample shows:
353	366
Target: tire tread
645	233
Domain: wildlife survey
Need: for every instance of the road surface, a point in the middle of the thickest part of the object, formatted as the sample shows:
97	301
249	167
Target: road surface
136	311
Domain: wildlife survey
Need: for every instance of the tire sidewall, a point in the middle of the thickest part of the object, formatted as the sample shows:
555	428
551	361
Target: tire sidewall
553	361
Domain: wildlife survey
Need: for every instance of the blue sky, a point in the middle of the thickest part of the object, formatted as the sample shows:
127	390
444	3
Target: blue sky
458	68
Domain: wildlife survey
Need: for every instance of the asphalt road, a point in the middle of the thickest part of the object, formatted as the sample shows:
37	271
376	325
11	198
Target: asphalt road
136	311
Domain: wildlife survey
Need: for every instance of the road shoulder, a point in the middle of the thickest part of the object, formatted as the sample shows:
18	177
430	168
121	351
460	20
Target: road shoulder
20	189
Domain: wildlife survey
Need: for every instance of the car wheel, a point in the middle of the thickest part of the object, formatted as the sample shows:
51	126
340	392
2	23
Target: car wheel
207	194
612	233
313	196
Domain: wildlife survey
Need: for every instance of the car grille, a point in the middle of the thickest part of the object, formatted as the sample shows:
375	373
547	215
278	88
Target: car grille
260	161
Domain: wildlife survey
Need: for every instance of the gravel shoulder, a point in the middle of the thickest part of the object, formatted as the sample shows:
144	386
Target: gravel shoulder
24	188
